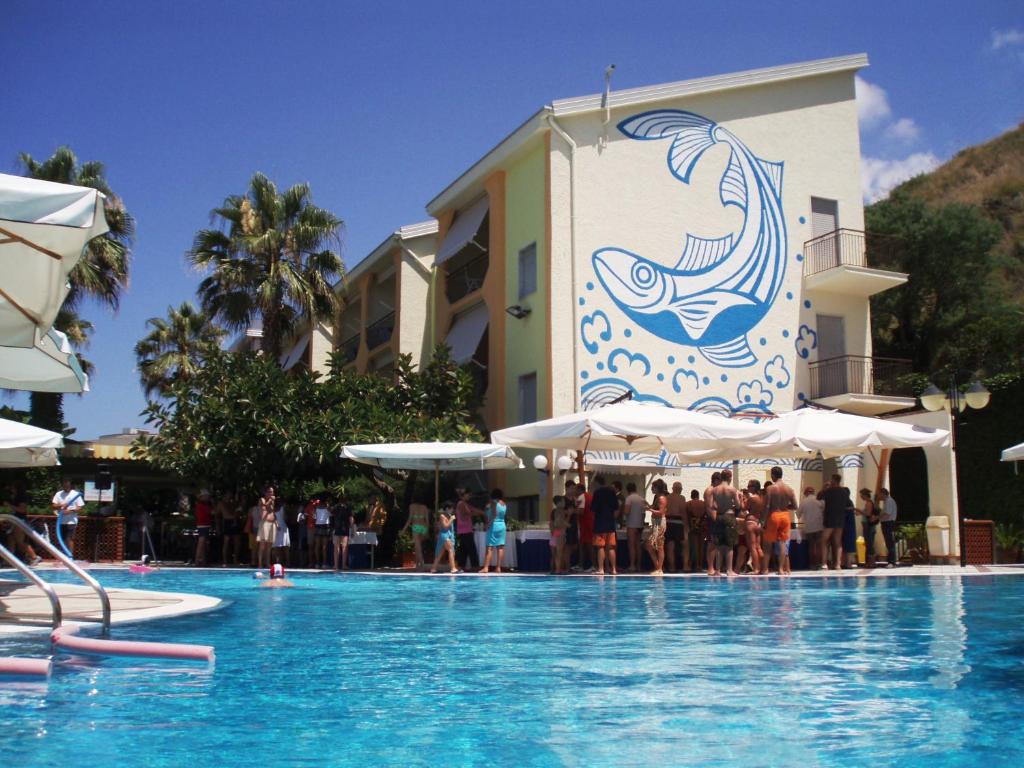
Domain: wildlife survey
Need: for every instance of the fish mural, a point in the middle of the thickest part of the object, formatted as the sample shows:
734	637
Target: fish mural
721	287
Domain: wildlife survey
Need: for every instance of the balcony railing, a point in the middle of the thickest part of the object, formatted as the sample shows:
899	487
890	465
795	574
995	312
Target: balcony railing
848	247
855	374
349	348
466	279
379	331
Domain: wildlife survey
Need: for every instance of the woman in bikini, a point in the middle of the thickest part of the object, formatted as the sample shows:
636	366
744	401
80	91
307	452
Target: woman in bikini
419	522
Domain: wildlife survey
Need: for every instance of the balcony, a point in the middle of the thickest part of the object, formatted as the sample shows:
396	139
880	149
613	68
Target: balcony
866	385
839	262
379	331
466	278
349	349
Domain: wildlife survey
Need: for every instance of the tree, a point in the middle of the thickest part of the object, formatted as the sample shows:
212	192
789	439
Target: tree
240	421
954	311
100	275
175	347
270	260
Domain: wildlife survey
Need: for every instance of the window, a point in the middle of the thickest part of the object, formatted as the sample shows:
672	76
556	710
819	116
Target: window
527	398
527	270
524	508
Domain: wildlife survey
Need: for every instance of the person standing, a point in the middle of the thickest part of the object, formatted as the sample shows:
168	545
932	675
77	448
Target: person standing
887	516
750	530
675	531
605	506
557	526
696	514
635	509
466	546
585	516
229	515
495	531
868	526
811	513
342	523
267	530
445	539
17	505
779	523
779	497
66	503
204	521
836	498
655	535
419	521
709	524
726	503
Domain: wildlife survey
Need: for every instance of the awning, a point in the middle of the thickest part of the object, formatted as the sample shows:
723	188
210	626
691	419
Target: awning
466	333
463	231
1016	453
22	445
289	360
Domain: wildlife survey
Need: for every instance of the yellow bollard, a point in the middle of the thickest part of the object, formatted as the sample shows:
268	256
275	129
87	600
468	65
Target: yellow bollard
862	550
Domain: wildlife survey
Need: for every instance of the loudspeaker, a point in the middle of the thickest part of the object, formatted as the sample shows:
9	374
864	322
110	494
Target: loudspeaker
103	479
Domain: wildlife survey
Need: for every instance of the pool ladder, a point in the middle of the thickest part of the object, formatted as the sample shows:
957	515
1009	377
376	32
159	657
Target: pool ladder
46	587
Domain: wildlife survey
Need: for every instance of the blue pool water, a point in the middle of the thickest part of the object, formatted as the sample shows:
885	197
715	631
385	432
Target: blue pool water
374	670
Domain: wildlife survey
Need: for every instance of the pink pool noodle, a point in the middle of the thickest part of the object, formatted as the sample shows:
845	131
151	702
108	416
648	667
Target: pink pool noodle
24	667
68	639
140	569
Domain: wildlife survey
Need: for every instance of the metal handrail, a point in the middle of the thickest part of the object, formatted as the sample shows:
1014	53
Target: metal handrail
28	573
70	564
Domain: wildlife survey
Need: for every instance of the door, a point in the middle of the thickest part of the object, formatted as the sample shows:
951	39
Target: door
825	251
833	376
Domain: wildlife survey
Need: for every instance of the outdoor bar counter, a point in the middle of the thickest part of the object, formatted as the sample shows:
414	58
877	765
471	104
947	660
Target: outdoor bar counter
99	539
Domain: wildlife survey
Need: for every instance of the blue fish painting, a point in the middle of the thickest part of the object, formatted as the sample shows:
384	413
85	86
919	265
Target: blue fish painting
721	287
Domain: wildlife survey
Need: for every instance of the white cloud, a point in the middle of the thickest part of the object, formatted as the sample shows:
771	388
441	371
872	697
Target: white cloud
872	102
879	176
1004	38
904	129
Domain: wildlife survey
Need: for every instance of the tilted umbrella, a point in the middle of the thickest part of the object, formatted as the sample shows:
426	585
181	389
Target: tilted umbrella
49	366
437	456
637	427
44	228
22	445
1016	453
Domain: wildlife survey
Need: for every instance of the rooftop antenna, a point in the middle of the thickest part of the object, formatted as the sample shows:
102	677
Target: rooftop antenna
606	96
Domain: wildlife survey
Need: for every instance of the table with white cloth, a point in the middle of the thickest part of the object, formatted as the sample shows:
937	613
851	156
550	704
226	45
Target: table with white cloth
513	540
367	539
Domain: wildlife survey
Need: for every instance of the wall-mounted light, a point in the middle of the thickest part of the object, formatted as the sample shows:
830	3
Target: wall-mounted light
518	311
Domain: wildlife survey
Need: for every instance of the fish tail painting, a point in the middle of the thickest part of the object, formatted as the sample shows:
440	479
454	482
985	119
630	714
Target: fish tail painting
720	288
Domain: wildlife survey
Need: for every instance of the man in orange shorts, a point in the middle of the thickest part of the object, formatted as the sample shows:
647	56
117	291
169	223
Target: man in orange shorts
605	506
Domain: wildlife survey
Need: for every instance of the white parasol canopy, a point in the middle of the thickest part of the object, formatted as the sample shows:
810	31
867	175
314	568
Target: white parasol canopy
22	445
636	427
44	227
1016	453
434	455
808	431
49	366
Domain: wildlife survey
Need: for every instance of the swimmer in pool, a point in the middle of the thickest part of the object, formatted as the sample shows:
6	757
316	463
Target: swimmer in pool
277	579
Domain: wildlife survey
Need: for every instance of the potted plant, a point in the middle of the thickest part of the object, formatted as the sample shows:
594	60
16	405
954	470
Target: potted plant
1009	540
404	556
916	540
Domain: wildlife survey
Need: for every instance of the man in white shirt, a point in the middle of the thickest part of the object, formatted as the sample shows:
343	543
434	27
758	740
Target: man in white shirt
66	503
888	512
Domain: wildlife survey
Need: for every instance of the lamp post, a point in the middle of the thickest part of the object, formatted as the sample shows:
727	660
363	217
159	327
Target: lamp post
956	402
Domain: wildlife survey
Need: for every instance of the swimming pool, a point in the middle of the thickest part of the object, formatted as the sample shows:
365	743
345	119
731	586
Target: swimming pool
383	670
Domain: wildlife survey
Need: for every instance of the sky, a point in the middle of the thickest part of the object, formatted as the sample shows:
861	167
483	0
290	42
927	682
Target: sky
379	106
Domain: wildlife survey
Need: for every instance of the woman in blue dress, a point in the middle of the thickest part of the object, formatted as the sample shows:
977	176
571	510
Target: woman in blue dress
495	531
445	539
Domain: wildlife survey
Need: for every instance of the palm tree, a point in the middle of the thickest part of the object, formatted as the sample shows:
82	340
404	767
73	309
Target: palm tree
271	260
175	347
102	272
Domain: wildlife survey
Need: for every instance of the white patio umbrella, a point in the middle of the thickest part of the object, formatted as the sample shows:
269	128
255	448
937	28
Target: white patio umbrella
434	455
49	366
636	427
1016	453
809	431
43	229
22	445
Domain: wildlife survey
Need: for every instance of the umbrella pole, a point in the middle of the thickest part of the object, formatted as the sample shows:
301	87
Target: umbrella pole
437	486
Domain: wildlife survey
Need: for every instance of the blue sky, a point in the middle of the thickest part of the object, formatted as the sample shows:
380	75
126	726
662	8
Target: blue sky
379	106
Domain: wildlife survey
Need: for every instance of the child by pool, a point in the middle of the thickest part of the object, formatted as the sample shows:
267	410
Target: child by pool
445	538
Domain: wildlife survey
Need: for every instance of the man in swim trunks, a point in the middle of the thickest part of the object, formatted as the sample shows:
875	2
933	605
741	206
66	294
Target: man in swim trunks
836	498
726	501
605	506
778	498
696	516
709	526
675	531
204	521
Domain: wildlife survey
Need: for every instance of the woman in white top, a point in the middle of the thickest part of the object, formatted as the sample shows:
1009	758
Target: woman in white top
635	509
282	541
267	530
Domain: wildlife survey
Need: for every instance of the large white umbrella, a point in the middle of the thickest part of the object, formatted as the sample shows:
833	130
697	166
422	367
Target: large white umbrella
1016	453
809	431
43	229
434	455
22	445
49	366
636	427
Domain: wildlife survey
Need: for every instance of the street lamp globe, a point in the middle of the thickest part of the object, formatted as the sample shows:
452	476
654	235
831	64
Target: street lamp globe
564	463
933	398
540	462
977	396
